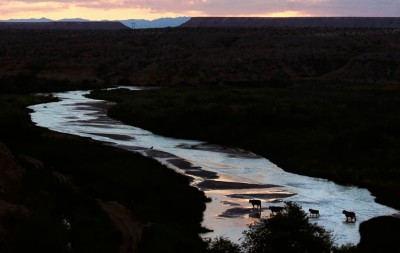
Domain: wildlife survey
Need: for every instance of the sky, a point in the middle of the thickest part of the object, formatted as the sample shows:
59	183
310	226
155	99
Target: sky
153	9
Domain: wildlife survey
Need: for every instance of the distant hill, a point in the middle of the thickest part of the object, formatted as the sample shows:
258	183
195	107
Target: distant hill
351	22
28	20
157	23
66	25
40	20
73	20
56	24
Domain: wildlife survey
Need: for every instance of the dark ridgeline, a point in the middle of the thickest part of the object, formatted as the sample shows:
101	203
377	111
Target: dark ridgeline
239	56
93	25
344	22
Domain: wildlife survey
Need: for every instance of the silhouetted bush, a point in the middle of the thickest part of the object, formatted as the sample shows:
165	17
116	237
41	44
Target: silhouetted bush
289	231
222	245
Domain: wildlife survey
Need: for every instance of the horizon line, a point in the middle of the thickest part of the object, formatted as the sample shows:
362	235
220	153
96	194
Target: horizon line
109	20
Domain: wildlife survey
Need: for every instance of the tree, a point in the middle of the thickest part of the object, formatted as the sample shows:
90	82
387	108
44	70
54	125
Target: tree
289	231
222	245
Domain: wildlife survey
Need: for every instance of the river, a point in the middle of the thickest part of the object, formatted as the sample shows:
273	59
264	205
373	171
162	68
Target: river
229	176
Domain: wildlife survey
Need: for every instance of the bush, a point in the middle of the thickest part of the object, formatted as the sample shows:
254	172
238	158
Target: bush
289	231
222	245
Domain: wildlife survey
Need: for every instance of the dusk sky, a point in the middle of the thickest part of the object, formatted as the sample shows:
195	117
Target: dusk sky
152	9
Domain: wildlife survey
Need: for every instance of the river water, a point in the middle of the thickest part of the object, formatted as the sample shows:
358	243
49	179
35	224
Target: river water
229	176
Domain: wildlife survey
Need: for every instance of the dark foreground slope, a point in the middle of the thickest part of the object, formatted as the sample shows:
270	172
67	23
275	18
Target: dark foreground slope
60	193
301	22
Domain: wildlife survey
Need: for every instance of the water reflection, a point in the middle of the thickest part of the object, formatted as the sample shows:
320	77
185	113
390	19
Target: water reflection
230	177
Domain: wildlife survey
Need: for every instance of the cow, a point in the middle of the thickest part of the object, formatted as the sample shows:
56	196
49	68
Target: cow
314	212
275	209
255	202
350	216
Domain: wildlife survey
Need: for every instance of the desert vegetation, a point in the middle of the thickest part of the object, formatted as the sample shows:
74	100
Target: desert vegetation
187	56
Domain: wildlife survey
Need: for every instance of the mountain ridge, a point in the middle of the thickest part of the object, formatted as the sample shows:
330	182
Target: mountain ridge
131	23
64	25
156	23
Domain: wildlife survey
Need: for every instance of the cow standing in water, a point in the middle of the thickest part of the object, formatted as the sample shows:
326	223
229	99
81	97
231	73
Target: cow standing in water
275	209
350	216
255	203
314	212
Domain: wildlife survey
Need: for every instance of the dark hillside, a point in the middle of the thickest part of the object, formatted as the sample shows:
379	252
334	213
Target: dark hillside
187	56
60	193
348	22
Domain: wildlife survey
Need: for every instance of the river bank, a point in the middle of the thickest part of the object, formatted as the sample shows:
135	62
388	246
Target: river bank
61	192
345	134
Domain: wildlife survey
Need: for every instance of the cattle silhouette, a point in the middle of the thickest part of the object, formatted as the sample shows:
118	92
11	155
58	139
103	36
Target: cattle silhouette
255	203
275	209
350	216
314	212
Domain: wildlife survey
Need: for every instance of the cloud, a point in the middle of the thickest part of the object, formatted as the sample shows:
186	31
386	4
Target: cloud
12	7
211	7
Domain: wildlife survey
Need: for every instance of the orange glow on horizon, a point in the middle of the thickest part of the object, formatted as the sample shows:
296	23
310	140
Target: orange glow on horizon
145	9
282	14
57	11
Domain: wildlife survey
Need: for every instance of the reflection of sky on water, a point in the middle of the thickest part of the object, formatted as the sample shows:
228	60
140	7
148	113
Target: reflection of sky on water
75	114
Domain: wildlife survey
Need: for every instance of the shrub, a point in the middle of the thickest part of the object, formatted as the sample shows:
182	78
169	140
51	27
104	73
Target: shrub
222	245
289	231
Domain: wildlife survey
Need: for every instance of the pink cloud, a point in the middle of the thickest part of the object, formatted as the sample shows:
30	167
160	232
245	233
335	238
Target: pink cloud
12	7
